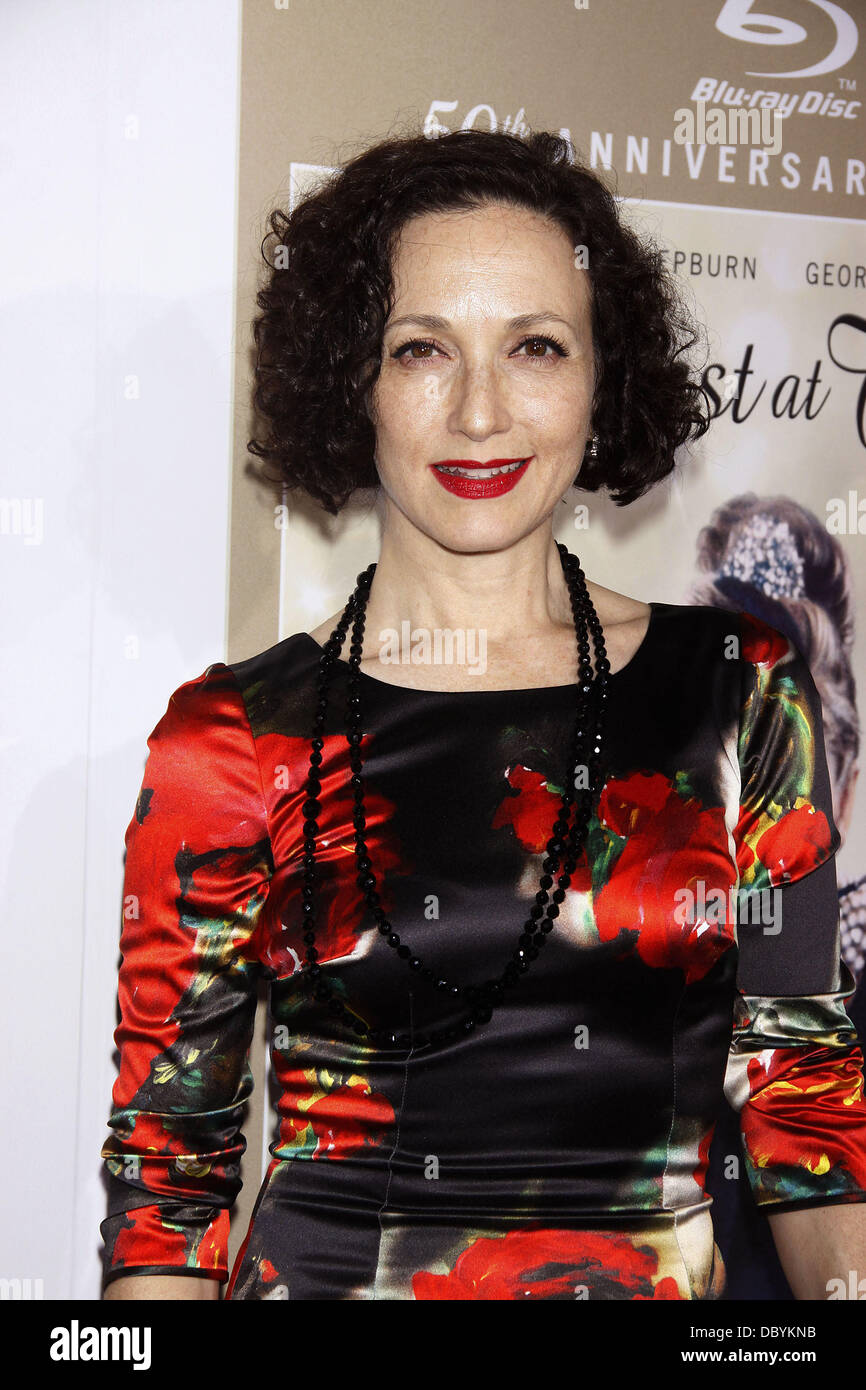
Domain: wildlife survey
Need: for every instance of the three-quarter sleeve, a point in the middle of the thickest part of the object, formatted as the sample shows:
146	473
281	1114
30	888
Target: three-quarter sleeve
795	1069
197	872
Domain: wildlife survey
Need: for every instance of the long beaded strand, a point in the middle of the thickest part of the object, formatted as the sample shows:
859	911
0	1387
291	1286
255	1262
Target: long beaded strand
564	842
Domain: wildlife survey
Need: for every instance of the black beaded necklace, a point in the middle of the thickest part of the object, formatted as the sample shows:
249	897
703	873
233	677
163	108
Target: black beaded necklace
565	843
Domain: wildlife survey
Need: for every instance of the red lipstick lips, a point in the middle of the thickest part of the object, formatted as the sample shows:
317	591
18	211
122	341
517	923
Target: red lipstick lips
464	477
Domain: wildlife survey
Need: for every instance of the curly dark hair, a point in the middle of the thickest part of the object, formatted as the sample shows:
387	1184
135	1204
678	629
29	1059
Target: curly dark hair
329	292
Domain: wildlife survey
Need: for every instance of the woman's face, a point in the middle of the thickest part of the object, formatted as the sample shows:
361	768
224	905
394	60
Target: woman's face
476	386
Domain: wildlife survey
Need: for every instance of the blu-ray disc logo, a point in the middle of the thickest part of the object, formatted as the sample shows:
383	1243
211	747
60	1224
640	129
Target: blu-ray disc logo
738	20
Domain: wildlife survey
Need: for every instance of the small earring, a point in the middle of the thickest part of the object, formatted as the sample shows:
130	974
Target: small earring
592	448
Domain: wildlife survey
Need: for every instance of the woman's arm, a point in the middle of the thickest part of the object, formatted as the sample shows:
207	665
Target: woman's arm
162	1286
820	1244
795	1068
198	866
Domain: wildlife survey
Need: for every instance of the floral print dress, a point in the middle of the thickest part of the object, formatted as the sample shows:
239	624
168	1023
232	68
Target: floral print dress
558	1151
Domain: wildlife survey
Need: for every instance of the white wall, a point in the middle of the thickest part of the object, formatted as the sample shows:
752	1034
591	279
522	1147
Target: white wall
116	263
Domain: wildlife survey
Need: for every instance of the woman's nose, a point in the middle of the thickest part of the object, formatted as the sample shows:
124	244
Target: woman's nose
478	406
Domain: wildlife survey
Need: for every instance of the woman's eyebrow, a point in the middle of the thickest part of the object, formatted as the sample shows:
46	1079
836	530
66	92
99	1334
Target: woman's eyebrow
437	324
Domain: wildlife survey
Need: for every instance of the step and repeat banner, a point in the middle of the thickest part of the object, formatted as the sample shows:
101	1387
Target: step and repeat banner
733	134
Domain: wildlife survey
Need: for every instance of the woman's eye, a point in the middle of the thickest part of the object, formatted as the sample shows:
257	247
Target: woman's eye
408	349
558	348
415	343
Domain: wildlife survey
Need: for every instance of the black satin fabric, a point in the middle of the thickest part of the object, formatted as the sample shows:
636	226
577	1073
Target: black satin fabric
560	1150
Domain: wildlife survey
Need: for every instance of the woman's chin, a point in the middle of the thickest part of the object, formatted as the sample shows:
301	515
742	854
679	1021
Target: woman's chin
478	535
469	526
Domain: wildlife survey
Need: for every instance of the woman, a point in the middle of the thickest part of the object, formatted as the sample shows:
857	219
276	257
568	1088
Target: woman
516	1100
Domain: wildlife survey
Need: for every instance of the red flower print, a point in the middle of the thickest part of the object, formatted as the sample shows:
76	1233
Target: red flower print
341	906
670	843
700	1172
786	1084
532	811
531	814
322	1117
547	1264
761	644
788	848
799	841
149	1238
147	1241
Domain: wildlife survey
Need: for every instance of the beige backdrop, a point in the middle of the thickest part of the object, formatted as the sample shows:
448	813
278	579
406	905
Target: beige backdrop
322	79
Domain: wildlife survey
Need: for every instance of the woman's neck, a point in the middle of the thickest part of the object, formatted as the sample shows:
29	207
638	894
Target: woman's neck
511	595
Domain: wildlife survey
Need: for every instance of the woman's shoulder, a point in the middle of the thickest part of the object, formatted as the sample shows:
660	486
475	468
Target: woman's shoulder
733	661
698	646
219	708
732	633
690	628
278	685
291	658
697	632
